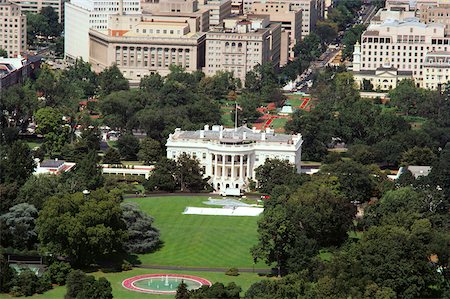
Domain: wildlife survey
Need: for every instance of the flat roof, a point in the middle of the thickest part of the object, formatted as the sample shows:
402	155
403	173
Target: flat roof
231	135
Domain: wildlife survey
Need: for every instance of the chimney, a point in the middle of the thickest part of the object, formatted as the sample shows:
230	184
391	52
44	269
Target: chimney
220	134
254	129
202	134
206	128
244	136
263	136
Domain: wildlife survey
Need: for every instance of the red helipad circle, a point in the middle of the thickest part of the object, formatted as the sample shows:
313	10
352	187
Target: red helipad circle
129	283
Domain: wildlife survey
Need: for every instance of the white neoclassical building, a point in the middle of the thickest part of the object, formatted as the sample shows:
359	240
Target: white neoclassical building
230	156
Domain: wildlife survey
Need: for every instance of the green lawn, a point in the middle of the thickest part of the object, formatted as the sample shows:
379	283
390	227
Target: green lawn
226	118
278	123
55	293
245	280
198	241
35	143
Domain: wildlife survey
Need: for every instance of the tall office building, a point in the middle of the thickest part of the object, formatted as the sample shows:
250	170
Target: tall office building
13	28
241	43
82	15
35	6
291	24
399	46
147	43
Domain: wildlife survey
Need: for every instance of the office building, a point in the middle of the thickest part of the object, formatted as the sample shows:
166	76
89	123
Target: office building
291	24
13	29
36	6
241	43
82	15
144	44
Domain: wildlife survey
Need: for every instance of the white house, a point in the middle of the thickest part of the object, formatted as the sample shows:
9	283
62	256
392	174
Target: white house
230	156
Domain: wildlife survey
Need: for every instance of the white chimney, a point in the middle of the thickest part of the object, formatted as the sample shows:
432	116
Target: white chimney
220	134
254	129
202	134
263	136
206	128
244	136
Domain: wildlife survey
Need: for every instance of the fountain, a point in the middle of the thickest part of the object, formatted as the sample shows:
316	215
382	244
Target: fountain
151	283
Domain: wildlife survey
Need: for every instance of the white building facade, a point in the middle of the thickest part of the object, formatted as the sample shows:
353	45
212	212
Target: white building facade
401	44
230	156
82	15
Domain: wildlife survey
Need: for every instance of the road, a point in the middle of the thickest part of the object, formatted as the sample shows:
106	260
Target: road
367	14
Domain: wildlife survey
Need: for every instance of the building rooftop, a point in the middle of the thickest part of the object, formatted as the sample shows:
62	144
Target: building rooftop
52	163
239	135
418	171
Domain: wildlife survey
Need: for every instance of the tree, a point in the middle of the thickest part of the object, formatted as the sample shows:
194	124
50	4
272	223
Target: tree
163	176
81	75
50	124
150	151
190	174
57	272
27	283
91	137
405	96
87	174
142	236
16	163
111	79
440	172
381	256
217	290
354	179
128	146
112	156
418	156
326	30
20	221
151	83
75	283
36	26
399	207
3	53
120	109
8	275
182	291
273	172
249	104
81	228
92	288
19	101
52	19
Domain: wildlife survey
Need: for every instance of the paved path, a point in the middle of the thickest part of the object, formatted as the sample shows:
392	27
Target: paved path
182	194
204	269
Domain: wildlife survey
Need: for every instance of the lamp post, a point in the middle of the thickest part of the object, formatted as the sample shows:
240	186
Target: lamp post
86	193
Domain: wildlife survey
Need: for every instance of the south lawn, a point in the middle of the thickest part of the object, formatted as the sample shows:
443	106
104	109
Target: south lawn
197	240
244	280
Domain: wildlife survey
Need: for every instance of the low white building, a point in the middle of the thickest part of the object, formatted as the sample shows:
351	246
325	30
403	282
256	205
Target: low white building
230	156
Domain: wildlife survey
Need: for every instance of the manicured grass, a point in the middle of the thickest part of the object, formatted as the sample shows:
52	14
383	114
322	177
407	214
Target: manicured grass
34	143
132	163
55	293
245	280
198	240
226	115
278	123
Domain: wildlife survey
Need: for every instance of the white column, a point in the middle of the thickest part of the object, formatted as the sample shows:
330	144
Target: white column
223	167
215	166
241	167
232	166
248	166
